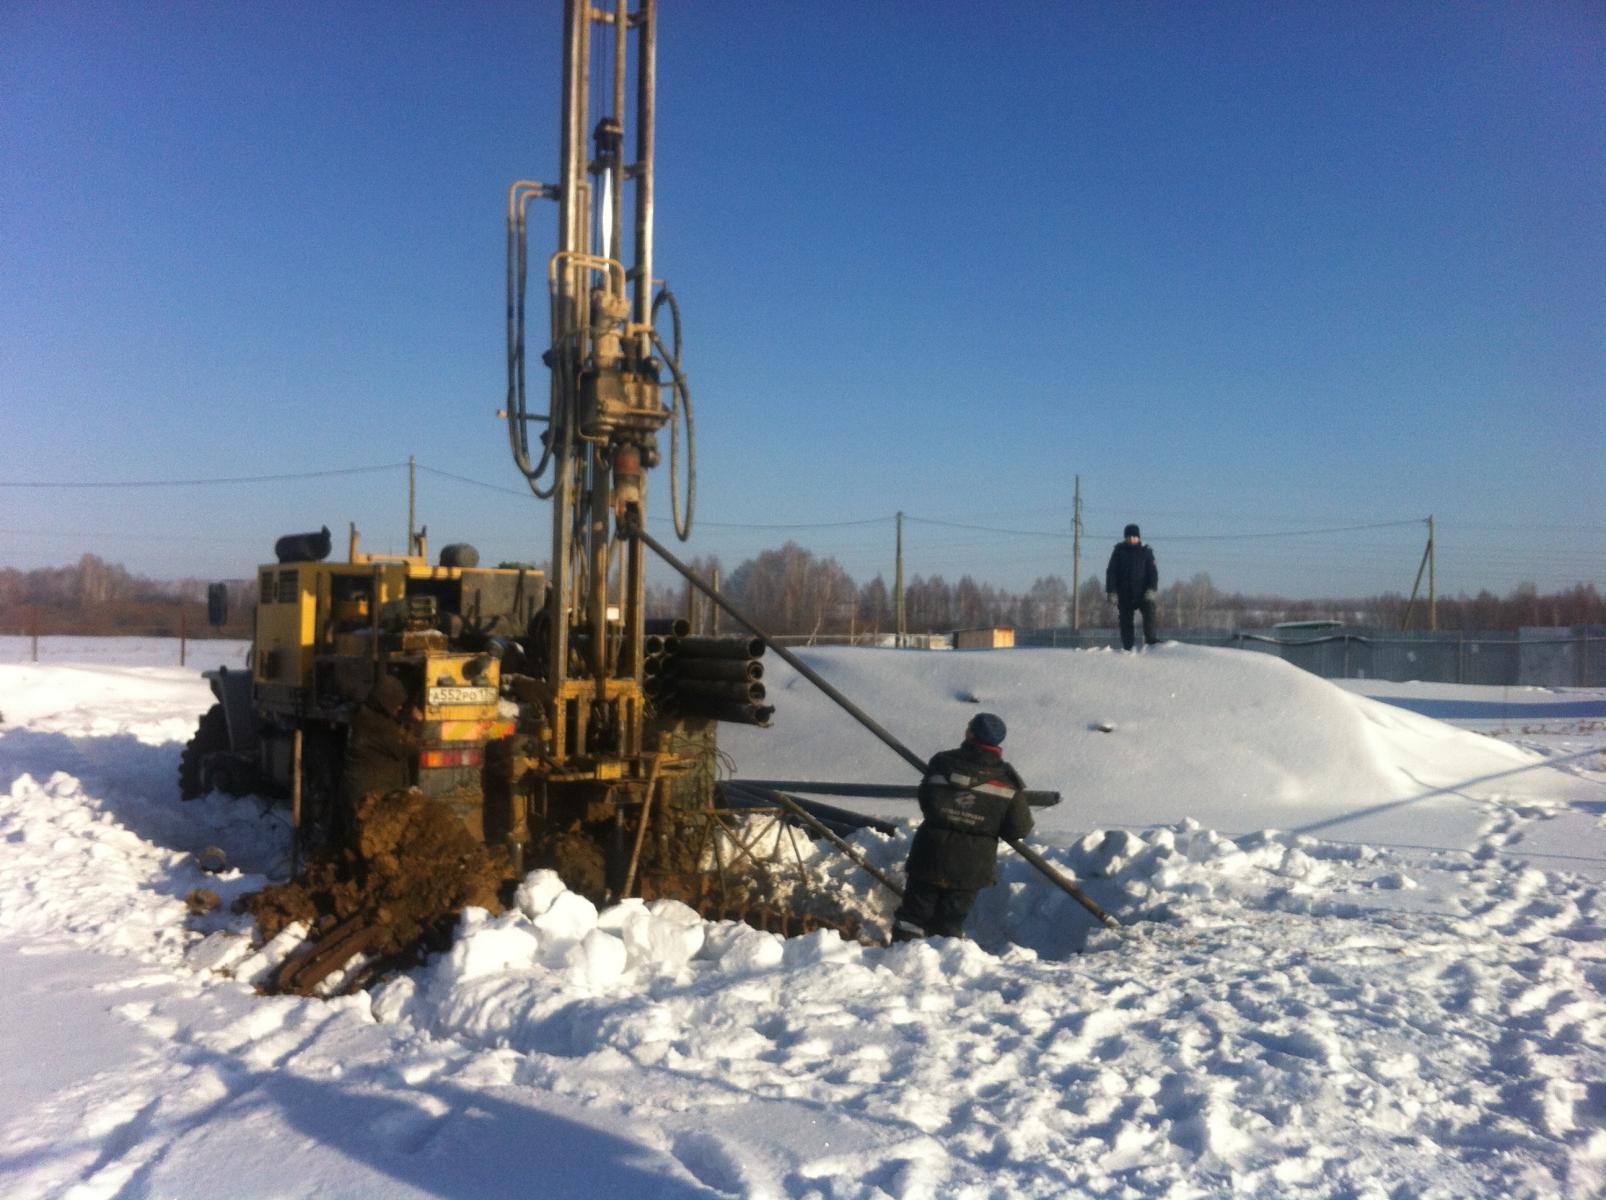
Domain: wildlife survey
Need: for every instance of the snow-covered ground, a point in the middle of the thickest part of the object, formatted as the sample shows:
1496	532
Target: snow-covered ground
1364	957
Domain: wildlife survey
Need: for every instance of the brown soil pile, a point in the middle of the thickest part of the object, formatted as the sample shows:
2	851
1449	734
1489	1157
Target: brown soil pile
409	868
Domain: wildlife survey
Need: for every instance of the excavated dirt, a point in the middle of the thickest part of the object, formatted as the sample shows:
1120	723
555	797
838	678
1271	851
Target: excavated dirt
409	868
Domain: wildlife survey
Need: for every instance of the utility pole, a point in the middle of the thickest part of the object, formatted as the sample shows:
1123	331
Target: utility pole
713	609
1424	565
411	497
899	631
1076	559
1433	596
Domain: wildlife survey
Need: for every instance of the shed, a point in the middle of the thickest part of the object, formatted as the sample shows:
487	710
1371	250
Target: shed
991	637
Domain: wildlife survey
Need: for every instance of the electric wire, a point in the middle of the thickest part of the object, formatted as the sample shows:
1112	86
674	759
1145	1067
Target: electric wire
216	480
1186	537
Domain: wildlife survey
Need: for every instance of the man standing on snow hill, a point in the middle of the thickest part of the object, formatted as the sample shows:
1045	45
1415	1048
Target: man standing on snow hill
970	798
1131	582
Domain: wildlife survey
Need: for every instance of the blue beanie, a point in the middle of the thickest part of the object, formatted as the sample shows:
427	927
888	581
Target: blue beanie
987	729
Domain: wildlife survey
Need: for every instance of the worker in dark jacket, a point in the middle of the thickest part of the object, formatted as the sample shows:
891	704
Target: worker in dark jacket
383	743
970	798
1132	582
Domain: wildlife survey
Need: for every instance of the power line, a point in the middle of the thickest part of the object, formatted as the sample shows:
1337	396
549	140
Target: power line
479	483
156	483
753	526
887	520
1185	537
702	524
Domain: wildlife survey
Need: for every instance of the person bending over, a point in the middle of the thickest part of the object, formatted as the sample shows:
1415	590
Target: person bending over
970	798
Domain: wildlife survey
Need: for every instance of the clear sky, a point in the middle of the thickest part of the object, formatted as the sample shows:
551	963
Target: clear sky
1244	268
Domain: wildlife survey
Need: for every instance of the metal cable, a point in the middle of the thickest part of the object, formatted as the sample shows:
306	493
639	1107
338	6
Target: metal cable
1179	537
152	483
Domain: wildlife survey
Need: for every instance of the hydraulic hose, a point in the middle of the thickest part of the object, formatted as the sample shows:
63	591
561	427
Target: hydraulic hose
518	203
680	408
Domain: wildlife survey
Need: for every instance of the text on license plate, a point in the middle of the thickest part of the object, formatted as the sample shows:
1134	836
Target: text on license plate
461	695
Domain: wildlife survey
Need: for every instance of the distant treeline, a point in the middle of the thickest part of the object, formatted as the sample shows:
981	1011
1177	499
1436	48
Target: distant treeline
96	598
792	591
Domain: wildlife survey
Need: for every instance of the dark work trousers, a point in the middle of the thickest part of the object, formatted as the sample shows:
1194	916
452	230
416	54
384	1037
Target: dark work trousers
1151	633
931	911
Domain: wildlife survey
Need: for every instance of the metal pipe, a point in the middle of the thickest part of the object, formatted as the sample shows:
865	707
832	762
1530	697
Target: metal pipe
295	802
881	791
1065	885
858	714
797	810
792	660
646	85
641	829
741	691
735	670
597	537
732	711
616	207
721	647
840	819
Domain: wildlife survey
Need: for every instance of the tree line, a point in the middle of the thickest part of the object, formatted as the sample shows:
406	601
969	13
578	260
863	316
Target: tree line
792	591
100	599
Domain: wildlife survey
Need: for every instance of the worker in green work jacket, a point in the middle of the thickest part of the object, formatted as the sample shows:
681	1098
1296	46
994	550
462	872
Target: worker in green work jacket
970	798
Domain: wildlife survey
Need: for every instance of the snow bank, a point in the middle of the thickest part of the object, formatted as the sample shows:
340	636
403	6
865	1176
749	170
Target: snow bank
1283	1014
1233	739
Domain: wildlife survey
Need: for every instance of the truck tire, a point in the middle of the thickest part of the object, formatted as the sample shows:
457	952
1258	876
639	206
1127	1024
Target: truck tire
211	736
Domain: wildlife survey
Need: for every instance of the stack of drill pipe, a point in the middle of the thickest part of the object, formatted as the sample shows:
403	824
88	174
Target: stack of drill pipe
716	677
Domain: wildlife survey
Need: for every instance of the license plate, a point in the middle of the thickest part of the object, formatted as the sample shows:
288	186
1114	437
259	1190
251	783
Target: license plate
461	695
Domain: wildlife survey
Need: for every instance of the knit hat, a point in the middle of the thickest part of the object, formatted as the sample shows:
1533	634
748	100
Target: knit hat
1131	531
987	729
389	693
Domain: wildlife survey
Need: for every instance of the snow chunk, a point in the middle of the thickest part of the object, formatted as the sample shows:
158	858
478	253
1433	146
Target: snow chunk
536	894
568	919
504	943
597	960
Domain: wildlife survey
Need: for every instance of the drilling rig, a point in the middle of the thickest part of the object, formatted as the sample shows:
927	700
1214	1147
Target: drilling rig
627	707
558	725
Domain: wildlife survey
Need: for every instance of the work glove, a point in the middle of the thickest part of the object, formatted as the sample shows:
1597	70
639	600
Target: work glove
1149	596
1110	596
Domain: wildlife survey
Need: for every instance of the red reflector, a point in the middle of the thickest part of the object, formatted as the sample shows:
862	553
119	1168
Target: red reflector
470	757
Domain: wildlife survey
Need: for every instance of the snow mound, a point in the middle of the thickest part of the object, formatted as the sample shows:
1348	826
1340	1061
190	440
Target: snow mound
1226	737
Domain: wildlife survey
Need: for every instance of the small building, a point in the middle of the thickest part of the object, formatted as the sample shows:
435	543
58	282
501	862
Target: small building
992	637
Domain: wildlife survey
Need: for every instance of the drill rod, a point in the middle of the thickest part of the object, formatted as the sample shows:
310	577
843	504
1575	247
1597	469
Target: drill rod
632	528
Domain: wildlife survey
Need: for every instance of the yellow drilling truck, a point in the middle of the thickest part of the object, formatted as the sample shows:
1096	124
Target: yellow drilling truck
326	633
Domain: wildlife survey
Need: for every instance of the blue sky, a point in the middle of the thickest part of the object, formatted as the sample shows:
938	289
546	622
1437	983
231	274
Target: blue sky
1244	268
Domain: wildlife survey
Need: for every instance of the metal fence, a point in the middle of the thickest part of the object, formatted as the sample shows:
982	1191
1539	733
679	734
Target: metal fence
1535	657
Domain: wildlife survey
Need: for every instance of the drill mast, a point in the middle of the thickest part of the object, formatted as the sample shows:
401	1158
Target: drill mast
608	369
